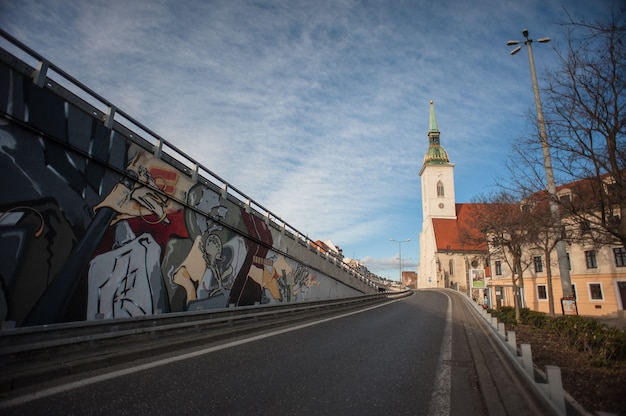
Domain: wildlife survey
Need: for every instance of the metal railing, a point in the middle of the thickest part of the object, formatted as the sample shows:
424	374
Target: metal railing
521	356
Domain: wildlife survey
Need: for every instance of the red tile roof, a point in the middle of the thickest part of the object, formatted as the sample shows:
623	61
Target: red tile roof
450	233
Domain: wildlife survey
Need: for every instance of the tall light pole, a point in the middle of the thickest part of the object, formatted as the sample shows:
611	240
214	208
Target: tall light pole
404	260
566	283
400	254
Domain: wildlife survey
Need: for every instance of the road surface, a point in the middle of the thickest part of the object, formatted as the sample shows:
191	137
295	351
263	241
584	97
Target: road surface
420	355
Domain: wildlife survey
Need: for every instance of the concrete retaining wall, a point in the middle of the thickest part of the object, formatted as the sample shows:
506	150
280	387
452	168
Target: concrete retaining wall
101	217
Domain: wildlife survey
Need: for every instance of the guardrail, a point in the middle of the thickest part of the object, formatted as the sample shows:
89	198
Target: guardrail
28	339
551	390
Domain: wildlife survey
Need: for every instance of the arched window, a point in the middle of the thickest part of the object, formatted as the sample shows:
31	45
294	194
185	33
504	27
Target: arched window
451	267
440	192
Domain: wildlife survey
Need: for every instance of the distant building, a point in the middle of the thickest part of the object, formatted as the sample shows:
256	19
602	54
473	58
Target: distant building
597	269
409	279
327	247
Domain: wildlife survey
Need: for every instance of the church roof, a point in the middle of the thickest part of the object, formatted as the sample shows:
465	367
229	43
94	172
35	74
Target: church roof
452	234
436	154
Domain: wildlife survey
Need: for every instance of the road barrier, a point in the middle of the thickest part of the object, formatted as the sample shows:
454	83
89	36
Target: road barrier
29	339
552	388
34	355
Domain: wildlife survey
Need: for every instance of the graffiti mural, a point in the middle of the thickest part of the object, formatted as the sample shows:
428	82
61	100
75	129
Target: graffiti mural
94	226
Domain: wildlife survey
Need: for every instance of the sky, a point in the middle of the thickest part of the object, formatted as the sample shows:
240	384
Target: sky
316	109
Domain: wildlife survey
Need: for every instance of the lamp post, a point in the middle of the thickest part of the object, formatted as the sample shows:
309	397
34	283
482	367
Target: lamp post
400	254
404	260
566	283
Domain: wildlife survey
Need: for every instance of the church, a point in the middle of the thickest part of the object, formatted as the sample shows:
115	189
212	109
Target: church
446	259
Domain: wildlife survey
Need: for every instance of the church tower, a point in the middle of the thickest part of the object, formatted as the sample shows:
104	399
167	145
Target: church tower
437	179
437	175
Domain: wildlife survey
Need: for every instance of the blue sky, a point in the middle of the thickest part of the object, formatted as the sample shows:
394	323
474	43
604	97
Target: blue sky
317	109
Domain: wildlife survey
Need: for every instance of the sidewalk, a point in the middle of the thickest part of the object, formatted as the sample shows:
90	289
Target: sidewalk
616	319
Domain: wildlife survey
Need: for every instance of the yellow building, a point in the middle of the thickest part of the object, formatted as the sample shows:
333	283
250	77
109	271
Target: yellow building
597	270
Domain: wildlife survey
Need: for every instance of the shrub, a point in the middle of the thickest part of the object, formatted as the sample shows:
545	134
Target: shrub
506	315
599	342
534	318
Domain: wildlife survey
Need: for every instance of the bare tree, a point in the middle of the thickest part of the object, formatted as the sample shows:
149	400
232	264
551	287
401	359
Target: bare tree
508	229
586	114
544	234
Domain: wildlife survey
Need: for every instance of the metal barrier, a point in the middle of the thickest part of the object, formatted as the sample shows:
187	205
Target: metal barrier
27	339
552	390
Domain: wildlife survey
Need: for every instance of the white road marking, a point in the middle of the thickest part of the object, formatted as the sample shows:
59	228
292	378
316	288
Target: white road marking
440	399
96	379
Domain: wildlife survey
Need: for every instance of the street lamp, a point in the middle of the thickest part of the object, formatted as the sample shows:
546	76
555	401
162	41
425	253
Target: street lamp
404	260
566	283
400	254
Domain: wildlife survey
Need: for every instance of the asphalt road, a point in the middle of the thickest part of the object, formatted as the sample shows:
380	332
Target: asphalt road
414	356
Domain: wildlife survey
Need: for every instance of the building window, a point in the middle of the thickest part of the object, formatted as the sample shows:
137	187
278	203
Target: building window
569	263
595	291
590	258
585	227
538	264
614	220
440	192
620	256
612	188
574	292
542	293
498	268
451	266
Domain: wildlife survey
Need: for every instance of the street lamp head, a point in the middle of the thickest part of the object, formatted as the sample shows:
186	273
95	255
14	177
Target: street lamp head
512	42
398	241
525	33
516	50
543	40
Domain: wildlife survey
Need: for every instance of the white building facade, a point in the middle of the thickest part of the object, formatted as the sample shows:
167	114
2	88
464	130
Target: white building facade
437	181
447	259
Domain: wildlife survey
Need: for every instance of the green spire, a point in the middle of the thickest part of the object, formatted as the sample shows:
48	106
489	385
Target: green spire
436	154
433	120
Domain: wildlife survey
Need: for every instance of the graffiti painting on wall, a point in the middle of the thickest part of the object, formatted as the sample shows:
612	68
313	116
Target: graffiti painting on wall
157	255
95	227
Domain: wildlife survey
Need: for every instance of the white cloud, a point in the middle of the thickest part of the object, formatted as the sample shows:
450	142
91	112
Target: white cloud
317	110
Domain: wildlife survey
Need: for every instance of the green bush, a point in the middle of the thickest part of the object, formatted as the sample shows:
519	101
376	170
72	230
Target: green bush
602	344
534	318
598	341
506	315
